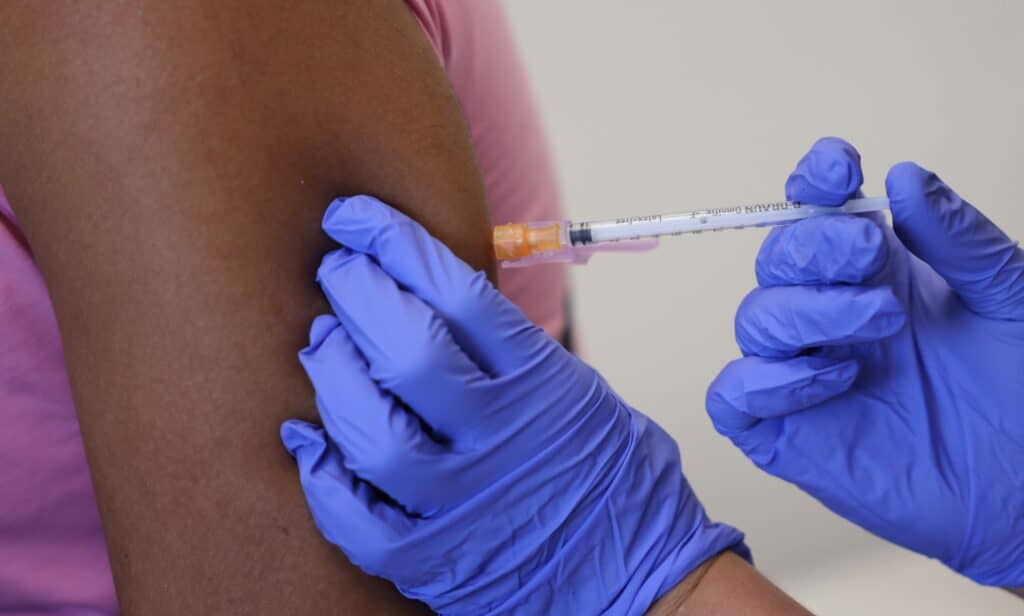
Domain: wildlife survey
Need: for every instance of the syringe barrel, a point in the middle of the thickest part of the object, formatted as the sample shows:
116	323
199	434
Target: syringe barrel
738	217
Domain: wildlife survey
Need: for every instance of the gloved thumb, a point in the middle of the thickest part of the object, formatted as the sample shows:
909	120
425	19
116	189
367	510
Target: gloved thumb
978	260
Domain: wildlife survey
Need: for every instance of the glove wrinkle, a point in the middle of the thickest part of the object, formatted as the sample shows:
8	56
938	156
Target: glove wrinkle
920	446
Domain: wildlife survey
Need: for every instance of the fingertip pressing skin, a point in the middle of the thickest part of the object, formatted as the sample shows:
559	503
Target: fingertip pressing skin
321	327
400	246
465	298
334	493
332	262
295	434
381	441
408	346
553	437
358	220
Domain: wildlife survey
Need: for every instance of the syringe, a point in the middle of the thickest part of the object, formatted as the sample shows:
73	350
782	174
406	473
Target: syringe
523	244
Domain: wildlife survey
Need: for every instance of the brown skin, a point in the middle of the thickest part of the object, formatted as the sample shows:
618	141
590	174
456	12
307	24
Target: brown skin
726	584
170	163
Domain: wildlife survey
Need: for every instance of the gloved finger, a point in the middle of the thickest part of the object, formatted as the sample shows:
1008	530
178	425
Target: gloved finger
978	260
754	388
407	346
492	330
349	512
322	325
829	174
783	321
822	250
382	442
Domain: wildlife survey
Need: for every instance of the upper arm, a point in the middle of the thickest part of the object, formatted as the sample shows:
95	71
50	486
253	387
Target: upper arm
483	65
170	167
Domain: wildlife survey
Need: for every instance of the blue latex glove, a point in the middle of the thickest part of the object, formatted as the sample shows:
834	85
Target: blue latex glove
468	457
883	370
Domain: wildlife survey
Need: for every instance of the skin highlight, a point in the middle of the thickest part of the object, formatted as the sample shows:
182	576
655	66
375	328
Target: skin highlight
170	165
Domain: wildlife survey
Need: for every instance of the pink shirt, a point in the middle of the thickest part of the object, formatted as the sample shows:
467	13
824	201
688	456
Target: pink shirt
52	555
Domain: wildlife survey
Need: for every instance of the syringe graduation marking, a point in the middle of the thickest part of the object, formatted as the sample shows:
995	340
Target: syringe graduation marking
715	219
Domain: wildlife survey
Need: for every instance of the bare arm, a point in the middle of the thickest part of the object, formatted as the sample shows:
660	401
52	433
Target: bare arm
726	584
170	163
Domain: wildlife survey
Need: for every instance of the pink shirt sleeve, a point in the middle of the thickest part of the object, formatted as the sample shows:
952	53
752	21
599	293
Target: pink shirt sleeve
52	555
53	559
474	44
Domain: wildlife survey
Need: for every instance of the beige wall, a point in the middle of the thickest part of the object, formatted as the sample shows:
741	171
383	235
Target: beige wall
666	105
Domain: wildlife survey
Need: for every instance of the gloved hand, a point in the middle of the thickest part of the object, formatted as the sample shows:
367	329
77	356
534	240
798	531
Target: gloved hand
467	456
883	368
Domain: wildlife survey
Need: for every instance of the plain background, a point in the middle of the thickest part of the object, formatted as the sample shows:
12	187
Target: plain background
658	106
